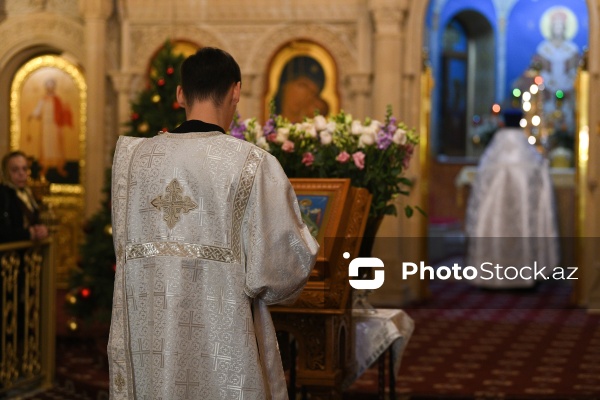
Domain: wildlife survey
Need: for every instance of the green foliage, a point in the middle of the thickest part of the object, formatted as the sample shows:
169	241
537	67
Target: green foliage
96	267
156	107
148	117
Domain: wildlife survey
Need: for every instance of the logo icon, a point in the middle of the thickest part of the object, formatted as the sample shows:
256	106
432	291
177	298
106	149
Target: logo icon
365	262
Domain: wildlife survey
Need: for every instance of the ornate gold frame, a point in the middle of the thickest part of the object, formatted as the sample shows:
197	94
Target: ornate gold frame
15	117
303	48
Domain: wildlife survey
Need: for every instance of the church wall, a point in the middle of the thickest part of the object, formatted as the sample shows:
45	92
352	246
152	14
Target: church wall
377	46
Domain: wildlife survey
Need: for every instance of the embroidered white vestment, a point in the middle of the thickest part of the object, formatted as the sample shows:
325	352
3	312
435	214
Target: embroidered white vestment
207	233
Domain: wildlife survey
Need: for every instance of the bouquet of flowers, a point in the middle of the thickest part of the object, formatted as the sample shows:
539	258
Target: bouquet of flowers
371	153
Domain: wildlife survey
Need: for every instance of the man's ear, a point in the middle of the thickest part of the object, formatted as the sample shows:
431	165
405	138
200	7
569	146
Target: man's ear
237	90
180	96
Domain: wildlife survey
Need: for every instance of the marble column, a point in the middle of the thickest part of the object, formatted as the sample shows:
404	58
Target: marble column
122	84
359	87
387	21
396	83
95	13
250	105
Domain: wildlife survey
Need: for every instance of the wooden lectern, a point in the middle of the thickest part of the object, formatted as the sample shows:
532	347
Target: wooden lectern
321	319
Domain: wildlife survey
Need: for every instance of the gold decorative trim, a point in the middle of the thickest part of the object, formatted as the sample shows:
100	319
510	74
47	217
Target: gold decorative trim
15	99
119	382
241	198
191	135
56	188
174	203
174	249
10	264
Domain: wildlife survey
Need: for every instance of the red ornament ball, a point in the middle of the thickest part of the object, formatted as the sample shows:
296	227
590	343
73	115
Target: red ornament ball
164	130
170	70
161	82
135	116
176	105
85	293
114	267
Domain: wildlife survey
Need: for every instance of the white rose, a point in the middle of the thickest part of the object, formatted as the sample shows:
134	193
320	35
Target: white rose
399	137
357	128
309	129
320	122
326	138
282	135
255	127
366	139
373	128
258	131
369	130
262	143
331	127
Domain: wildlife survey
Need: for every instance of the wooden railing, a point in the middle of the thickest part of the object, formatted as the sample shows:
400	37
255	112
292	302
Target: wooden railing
28	319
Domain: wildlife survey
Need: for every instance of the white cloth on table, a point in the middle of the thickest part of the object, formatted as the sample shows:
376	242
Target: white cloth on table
376	331
511	215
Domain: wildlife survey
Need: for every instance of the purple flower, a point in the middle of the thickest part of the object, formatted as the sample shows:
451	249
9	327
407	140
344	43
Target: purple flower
238	131
269	127
384	139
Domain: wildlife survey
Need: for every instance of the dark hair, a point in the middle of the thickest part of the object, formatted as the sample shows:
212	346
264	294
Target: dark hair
209	74
512	117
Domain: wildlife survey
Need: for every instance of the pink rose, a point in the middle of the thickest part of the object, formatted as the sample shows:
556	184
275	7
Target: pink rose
288	146
343	157
410	149
359	159
271	137
308	158
406	162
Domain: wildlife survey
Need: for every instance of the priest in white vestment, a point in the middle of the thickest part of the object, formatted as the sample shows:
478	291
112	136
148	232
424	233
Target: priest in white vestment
207	233
511	221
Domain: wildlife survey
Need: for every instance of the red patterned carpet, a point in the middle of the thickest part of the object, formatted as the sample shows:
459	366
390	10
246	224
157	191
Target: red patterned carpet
467	344
474	344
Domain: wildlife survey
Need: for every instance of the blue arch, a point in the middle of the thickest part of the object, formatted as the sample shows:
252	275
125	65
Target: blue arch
434	39
484	7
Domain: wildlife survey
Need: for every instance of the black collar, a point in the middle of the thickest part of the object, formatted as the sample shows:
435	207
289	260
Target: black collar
194	125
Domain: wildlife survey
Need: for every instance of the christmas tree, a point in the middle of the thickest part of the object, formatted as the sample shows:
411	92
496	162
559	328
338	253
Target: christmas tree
155	109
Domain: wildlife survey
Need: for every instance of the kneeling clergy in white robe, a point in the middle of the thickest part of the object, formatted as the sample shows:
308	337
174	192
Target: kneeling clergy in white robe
511	217
207	232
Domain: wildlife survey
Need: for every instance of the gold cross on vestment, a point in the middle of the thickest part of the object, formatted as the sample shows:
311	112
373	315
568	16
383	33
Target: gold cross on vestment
173	203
